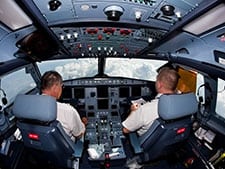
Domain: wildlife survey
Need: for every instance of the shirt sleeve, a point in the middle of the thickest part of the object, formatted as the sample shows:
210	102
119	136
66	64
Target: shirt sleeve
70	119
141	119
77	125
133	122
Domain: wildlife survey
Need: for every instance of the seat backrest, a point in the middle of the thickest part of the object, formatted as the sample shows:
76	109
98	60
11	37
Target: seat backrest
172	127
41	131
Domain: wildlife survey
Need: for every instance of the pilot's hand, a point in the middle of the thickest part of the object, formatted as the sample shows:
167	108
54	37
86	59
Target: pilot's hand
84	120
134	106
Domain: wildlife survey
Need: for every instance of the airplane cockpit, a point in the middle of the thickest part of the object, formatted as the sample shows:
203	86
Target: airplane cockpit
109	54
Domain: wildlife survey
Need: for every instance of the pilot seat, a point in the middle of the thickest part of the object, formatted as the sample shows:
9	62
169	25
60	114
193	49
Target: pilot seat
167	132
41	132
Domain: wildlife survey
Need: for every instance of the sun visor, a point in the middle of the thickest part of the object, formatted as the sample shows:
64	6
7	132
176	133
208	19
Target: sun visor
37	46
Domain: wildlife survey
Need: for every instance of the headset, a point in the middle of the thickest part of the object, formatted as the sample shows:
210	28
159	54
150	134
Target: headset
204	105
4	99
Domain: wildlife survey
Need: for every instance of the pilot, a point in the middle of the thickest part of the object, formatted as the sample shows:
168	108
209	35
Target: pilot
142	116
51	84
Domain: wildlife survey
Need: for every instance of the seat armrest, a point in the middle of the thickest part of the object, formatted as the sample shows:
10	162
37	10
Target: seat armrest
78	146
135	143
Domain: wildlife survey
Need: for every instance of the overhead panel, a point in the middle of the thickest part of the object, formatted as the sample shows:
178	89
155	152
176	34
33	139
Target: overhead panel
82	10
105	41
132	25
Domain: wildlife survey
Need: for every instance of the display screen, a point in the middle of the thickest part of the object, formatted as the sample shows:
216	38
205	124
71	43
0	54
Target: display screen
114	113
124	92
67	93
103	103
79	93
91	114
136	91
102	91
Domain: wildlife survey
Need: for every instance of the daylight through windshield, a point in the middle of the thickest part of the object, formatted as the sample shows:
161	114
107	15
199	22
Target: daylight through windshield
132	68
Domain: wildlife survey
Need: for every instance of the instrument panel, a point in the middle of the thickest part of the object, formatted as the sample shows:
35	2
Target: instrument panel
105	94
105	102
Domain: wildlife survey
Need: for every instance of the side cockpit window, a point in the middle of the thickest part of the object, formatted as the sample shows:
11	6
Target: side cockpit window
15	83
220	102
200	88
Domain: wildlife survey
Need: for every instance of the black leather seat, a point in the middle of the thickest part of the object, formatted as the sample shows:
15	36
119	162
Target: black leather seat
169	130
41	131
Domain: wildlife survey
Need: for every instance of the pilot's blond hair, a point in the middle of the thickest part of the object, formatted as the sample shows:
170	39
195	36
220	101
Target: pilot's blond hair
50	78
169	77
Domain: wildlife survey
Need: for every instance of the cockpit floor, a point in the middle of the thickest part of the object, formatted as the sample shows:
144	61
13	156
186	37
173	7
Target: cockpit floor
28	160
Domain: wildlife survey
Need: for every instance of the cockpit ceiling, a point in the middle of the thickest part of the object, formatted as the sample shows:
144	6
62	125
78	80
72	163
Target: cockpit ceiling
106	41
83	10
85	29
93	28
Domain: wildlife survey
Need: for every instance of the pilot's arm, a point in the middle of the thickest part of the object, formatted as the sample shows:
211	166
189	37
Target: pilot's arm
78	128
133	108
132	122
125	130
70	120
83	117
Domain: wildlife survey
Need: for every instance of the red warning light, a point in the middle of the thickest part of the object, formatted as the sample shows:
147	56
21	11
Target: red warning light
92	30
33	136
181	130
125	31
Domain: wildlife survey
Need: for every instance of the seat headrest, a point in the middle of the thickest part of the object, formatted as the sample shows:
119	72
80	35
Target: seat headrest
177	105
35	107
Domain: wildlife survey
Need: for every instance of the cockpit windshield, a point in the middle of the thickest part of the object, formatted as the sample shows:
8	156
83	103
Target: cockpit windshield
122	67
133	68
72	68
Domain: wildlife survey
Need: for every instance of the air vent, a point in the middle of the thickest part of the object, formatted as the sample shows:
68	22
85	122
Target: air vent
182	51
144	2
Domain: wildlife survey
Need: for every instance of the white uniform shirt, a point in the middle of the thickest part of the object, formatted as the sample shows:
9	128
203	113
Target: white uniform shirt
141	119
70	120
